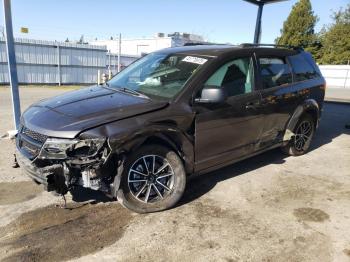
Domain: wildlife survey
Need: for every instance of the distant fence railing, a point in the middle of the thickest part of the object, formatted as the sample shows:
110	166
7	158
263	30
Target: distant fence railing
337	76
49	62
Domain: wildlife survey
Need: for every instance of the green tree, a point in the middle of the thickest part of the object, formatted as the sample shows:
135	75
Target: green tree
336	39
299	28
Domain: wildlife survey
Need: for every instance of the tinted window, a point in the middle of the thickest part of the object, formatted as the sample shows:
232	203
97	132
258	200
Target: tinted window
274	72
235	76
303	70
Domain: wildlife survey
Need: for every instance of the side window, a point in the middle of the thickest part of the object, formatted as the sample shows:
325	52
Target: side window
303	70
274	72
235	76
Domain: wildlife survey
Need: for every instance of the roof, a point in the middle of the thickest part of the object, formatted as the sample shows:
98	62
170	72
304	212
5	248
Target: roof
217	50
201	50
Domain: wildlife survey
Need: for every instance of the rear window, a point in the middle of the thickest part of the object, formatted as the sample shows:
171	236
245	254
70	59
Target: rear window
274	72
303	70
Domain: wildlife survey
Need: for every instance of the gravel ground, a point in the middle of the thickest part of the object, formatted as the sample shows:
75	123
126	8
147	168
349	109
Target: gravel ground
267	208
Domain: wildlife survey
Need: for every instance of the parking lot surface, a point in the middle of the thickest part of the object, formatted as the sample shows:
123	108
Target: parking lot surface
266	208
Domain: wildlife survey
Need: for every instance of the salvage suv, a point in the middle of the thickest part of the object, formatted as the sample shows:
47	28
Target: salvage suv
172	113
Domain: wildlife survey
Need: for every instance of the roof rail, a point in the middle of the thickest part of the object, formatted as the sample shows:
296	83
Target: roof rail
298	48
191	44
202	43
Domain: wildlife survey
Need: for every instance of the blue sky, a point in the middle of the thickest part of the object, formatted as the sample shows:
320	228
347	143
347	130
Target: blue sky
217	20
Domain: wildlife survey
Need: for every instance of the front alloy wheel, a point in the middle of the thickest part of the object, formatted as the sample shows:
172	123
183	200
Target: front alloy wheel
153	179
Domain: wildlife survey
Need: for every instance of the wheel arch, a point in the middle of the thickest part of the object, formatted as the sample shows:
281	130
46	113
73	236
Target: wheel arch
314	114
172	138
159	139
175	141
311	107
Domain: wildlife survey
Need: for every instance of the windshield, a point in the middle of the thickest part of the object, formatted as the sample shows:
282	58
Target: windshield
158	75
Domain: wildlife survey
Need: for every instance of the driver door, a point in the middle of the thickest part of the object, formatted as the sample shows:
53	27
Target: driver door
230	130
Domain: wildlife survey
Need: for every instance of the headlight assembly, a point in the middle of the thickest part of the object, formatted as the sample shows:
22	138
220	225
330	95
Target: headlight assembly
87	147
57	148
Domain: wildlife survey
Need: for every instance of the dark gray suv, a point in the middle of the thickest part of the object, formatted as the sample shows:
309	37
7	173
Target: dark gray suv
171	114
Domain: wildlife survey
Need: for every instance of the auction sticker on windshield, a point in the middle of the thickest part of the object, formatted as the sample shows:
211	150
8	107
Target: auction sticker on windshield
195	60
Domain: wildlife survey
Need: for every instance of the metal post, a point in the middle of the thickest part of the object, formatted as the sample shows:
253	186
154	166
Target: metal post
109	63
260	4
109	59
257	35
346	77
11	58
98	77
119	51
115	63
58	64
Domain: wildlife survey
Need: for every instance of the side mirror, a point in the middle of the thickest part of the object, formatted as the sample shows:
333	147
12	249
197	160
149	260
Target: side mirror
212	94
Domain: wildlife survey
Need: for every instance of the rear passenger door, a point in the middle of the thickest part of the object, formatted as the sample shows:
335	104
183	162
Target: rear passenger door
278	98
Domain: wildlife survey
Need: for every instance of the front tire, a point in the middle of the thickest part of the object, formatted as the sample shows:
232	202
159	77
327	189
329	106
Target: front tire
153	179
303	134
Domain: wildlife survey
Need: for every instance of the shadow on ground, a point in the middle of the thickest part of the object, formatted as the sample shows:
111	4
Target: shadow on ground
81	194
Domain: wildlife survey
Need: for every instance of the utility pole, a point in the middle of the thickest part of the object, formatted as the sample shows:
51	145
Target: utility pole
11	59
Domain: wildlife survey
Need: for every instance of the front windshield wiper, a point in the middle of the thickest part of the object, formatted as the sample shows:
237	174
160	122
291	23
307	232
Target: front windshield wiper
129	91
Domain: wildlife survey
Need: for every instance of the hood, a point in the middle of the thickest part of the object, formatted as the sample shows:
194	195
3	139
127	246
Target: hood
69	114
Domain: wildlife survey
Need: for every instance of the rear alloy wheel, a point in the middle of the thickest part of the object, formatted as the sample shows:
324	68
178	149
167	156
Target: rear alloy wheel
153	180
303	134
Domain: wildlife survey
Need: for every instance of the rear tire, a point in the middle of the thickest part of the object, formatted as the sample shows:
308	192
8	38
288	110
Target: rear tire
153	179
303	134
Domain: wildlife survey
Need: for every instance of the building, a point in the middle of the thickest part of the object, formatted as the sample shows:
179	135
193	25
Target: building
140	46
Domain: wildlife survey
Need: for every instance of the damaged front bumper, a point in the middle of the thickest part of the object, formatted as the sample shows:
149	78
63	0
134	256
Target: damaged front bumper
65	174
38	174
52	177
60	164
